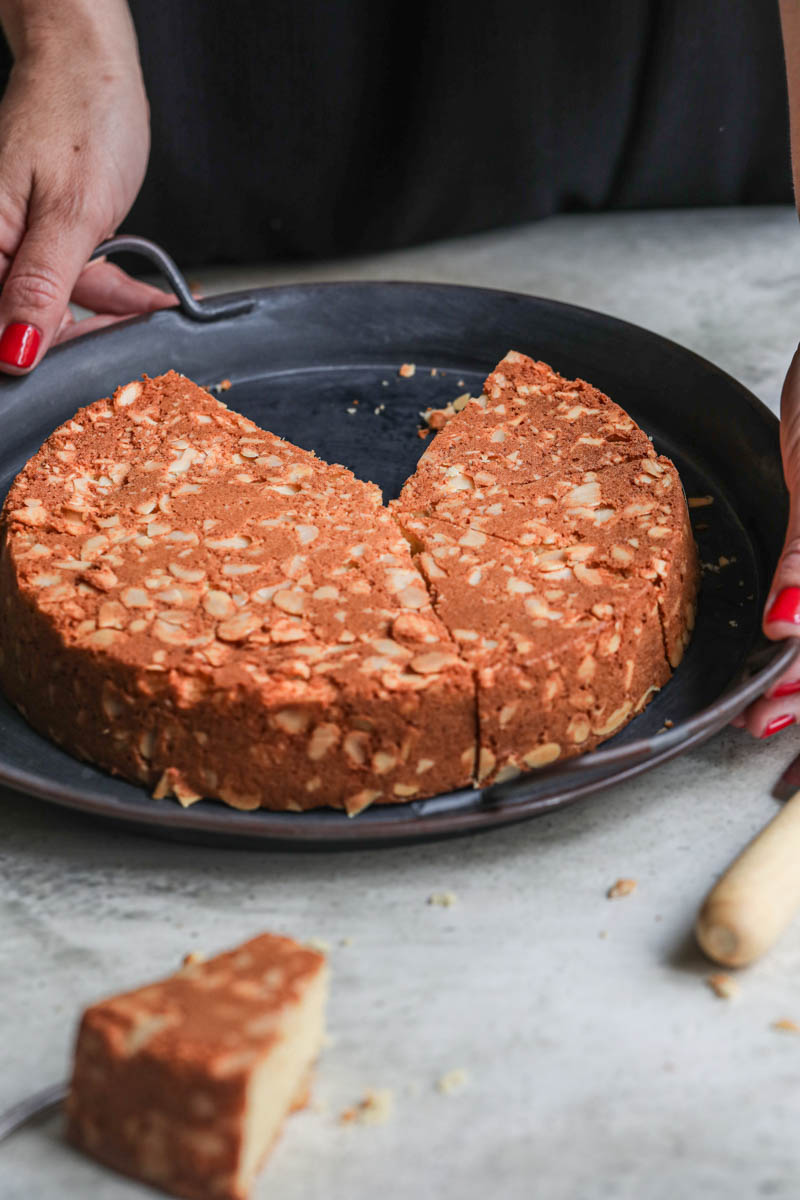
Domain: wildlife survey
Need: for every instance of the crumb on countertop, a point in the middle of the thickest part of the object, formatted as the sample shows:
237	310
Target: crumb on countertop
442	899
786	1025
375	1108
700	501
407	370
623	887
452	1081
724	986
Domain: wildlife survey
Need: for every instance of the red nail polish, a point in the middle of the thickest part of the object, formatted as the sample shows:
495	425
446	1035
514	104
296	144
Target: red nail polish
785	606
19	345
777	724
786	689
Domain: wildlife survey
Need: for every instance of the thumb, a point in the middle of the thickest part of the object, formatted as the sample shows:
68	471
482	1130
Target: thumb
37	289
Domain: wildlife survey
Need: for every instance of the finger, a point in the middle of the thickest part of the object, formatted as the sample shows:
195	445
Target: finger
66	321
72	328
766	717
782	610
104	288
38	286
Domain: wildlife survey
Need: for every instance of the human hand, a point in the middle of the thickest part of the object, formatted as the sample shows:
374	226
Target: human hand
74	141
780	707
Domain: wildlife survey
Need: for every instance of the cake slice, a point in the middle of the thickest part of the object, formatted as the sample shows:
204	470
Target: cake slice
564	654
185	1083
200	606
629	518
530	423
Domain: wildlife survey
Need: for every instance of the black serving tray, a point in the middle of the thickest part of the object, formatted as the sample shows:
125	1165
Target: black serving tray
318	364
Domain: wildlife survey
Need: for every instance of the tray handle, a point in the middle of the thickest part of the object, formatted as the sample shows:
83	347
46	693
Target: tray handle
206	310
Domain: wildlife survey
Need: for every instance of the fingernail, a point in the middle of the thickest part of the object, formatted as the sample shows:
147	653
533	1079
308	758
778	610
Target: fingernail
785	606
19	345
785	689
777	724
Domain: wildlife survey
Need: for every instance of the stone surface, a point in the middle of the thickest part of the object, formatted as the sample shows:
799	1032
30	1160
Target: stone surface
599	1065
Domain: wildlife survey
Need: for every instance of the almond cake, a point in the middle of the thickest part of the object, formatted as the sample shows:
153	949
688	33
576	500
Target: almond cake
204	608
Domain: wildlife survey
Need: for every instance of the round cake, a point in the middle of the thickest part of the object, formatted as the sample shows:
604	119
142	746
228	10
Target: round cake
199	606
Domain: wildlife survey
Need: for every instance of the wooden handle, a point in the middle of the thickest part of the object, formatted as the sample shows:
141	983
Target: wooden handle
756	898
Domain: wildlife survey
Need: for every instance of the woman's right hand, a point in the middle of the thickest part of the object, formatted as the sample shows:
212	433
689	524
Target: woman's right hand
74	142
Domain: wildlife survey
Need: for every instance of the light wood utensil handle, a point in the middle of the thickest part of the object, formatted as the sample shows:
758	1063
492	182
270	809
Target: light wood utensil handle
751	905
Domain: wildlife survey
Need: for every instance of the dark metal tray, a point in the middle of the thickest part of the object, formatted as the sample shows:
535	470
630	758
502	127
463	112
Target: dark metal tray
318	364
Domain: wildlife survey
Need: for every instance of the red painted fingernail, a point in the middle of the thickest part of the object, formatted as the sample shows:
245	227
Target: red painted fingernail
19	345
785	606
777	724
786	689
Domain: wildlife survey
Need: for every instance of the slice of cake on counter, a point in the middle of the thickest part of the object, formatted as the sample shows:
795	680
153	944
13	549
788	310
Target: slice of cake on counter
185	1083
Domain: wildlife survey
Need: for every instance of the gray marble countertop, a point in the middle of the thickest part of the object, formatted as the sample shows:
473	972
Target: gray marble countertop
599	1064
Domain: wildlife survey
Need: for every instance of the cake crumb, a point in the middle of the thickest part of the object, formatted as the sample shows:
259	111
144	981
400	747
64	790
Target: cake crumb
669	724
700	501
623	887
786	1025
224	385
723	986
423	433
437	418
442	899
375	1108
452	1081
351	411
407	370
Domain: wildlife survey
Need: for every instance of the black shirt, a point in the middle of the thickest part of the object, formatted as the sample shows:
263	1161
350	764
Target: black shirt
286	128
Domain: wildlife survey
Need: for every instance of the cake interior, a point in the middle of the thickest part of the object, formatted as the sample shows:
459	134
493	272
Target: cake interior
278	1082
